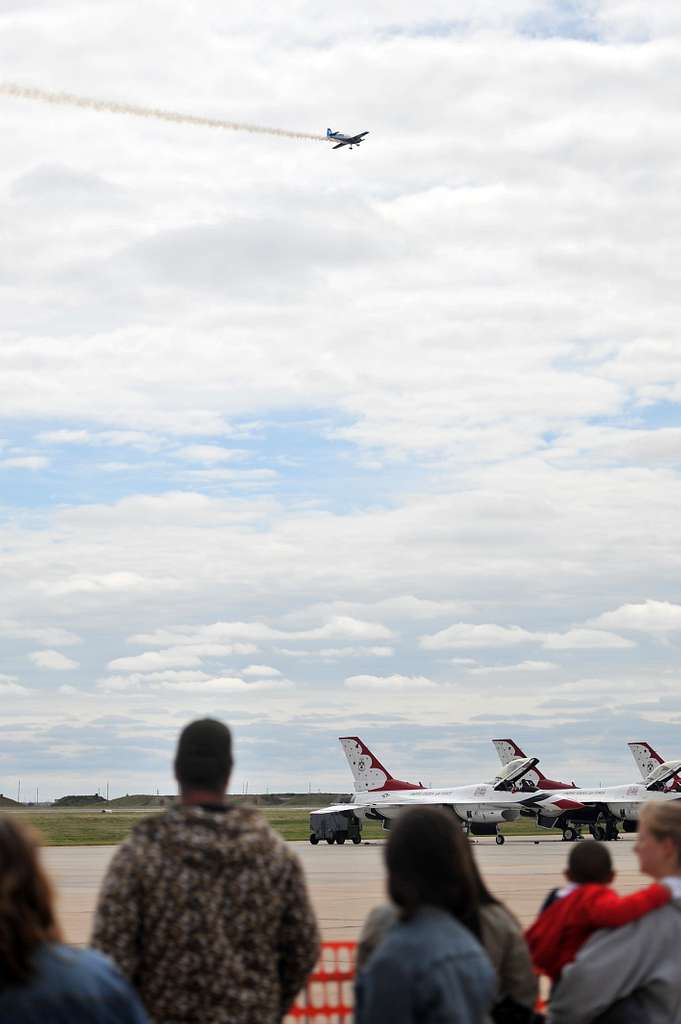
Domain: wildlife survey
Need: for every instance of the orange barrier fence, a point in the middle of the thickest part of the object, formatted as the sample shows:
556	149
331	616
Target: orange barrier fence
329	993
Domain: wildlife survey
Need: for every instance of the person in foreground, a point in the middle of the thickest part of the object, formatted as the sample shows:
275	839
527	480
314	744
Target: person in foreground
43	981
502	939
572	914
633	973
430	966
204	908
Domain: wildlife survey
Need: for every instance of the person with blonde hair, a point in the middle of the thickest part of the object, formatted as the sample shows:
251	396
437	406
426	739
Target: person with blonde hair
43	981
633	973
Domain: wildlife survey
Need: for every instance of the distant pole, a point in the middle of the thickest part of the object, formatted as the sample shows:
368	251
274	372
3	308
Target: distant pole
107	792
19	792
36	794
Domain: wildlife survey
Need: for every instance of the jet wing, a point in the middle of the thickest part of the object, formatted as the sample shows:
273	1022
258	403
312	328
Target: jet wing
433	800
335	808
341	144
533	802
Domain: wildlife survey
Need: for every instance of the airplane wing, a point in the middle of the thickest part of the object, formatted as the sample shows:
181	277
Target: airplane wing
334	809
432	800
339	145
534	802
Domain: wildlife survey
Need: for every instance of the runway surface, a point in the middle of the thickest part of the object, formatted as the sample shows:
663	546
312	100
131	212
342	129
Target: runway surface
347	881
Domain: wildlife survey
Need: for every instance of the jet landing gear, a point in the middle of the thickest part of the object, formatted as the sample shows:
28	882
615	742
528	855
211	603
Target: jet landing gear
605	833
571	835
501	839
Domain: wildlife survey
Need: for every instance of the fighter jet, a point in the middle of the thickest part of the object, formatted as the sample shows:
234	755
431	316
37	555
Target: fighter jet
603	807
480	808
344	140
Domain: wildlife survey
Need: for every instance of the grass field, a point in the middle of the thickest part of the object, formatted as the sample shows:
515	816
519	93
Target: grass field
92	828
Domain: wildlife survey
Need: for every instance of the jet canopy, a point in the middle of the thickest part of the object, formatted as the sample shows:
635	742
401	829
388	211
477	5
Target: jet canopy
514	771
662	774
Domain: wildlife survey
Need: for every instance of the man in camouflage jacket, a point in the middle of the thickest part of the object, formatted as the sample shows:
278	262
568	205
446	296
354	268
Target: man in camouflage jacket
204	908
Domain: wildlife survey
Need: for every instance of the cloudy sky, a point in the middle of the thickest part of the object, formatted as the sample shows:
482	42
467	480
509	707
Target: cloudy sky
382	442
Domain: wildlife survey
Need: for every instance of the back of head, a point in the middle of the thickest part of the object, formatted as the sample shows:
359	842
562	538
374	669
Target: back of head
429	864
663	819
590	862
204	756
26	904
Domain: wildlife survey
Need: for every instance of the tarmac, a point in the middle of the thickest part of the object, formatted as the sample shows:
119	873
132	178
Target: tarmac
345	882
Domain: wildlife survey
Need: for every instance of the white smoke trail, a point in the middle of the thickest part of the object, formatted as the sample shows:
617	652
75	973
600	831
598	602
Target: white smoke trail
68	99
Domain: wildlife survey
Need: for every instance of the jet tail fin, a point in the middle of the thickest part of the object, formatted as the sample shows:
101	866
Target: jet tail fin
367	770
645	757
508	750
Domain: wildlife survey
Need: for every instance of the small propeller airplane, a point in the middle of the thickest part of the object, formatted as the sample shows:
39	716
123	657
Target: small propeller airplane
344	140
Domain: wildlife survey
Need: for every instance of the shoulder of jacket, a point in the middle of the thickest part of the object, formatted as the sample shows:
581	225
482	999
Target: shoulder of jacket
498	918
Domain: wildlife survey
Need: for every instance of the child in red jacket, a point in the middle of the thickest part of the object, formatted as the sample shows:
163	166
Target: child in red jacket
571	915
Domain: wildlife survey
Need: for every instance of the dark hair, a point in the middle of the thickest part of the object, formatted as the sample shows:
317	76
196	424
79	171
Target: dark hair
204	755
589	862
27	917
429	863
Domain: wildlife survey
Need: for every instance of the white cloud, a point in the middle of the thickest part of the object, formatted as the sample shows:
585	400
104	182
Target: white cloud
523	666
467	634
412	607
345	626
25	462
226	684
64	436
11	687
213	633
210	453
101	438
336	626
153	311
67	689
256	477
646	617
394	682
183	681
112	582
260	671
154	661
42	634
584	639
53	660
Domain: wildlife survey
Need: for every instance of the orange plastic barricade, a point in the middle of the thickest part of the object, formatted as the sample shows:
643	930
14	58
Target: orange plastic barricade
329	993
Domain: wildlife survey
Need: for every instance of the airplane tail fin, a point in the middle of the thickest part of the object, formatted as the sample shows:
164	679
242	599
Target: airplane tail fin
328	132
508	750
367	770
645	757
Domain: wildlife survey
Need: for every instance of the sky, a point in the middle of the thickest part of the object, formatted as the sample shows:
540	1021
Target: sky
383	442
